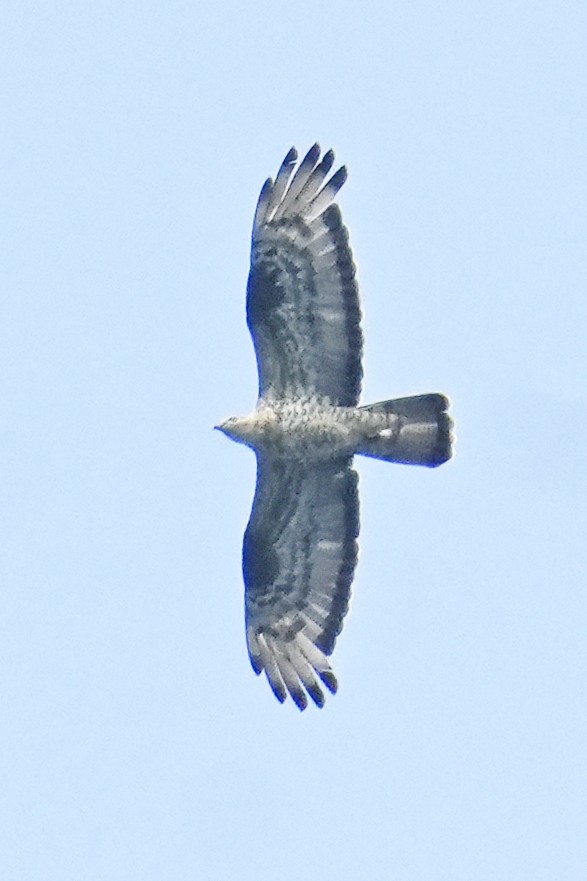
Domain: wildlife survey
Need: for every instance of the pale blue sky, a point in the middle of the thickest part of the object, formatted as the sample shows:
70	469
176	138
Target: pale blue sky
136	744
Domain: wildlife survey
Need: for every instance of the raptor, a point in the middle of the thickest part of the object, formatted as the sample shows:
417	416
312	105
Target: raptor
303	312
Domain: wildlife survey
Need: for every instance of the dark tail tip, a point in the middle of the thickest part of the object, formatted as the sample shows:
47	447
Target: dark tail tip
443	448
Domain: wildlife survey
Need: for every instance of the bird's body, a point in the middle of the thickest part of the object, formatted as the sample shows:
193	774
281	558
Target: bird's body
310	429
306	428
300	548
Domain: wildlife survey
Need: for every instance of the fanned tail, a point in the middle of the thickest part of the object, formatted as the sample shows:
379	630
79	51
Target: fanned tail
418	431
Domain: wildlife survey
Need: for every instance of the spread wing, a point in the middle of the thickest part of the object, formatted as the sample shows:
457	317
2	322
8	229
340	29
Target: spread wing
299	555
302	299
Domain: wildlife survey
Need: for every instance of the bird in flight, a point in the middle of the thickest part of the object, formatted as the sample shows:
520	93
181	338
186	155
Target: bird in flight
300	545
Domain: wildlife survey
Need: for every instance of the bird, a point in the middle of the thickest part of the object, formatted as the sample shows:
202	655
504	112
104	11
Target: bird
303	312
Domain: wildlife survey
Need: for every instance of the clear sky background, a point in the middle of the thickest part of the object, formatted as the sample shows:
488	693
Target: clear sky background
136	744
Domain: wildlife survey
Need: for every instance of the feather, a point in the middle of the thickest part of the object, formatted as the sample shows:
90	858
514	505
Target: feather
262	205
299	179
289	675
326	194
306	673
281	182
271	668
319	662
315	179
254	651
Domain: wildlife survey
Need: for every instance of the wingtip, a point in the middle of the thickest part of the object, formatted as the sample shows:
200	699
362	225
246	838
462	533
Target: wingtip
300	700
279	692
329	680
328	161
314	152
317	695
338	178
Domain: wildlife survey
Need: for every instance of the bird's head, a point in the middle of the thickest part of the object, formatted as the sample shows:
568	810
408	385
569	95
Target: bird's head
238	428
